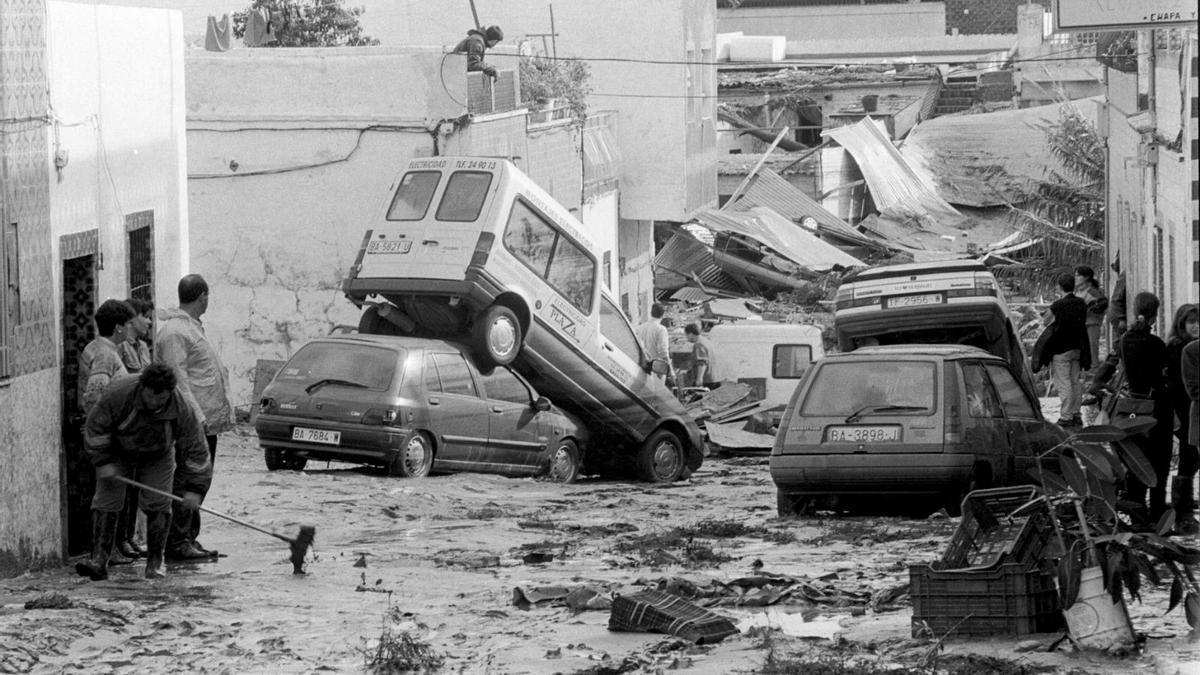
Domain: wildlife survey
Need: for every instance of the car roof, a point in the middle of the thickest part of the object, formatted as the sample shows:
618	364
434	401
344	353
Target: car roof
931	267
407	342
943	351
766	326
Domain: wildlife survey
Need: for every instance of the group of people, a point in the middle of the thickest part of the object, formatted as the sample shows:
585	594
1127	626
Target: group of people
152	415
1141	365
653	335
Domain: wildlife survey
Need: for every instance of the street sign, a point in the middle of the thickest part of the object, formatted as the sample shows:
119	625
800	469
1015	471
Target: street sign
1073	16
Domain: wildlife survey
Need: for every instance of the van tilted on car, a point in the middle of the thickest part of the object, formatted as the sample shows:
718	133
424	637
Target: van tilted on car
471	248
945	302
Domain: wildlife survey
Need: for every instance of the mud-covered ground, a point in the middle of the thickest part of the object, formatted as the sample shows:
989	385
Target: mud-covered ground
436	562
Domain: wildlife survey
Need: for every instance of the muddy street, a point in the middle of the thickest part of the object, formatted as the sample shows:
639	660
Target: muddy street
439	561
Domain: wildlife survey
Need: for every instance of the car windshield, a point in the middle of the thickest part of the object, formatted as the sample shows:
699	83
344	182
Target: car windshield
894	387
338	364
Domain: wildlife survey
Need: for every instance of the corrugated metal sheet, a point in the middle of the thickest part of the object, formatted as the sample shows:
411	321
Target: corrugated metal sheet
683	260
900	193
986	159
789	240
771	190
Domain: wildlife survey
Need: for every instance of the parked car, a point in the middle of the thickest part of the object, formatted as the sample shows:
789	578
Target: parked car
906	420
414	406
944	302
473	249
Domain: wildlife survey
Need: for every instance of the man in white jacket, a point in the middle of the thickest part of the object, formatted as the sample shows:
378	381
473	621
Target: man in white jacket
182	344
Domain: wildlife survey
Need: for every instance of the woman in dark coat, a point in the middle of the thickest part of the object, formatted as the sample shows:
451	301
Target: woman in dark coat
1143	356
1184	329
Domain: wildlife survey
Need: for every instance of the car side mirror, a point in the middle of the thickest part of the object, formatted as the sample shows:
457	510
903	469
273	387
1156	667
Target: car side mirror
542	404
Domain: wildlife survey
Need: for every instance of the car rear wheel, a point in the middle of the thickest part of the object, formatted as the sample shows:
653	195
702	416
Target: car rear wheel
278	459
497	336
788	505
564	463
414	460
661	458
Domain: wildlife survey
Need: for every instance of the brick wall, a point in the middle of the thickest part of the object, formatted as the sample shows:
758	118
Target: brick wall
30	443
977	17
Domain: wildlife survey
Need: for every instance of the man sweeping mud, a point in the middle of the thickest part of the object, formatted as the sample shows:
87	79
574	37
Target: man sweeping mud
135	431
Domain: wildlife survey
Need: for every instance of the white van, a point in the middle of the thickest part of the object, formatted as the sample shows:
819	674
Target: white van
472	248
771	357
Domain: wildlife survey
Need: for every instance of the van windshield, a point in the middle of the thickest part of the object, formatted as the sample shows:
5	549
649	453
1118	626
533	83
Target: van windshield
351	365
843	388
414	194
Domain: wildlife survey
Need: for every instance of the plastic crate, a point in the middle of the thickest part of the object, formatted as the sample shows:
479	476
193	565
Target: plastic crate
1007	600
988	534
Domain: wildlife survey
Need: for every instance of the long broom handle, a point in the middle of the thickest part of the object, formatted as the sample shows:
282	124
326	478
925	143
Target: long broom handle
218	514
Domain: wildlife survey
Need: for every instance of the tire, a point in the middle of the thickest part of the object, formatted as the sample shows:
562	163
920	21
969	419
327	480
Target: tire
278	459
788	505
661	458
496	337
564	463
414	460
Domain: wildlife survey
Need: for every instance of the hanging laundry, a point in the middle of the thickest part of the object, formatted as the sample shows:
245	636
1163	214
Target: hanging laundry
219	35
258	26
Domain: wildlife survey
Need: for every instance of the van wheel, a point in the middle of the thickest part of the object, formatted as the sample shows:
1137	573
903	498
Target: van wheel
788	505
414	460
278	459
370	323
497	336
564	463
661	458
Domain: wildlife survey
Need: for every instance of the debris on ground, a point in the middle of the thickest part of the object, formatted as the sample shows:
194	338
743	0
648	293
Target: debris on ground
659	612
50	601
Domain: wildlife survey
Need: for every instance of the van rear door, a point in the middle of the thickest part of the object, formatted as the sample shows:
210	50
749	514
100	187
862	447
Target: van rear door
434	221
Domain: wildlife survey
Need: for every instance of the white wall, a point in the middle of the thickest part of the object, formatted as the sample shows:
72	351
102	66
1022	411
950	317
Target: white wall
600	219
822	23
116	87
660	179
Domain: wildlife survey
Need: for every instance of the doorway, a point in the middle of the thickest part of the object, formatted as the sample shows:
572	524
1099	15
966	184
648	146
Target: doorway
78	329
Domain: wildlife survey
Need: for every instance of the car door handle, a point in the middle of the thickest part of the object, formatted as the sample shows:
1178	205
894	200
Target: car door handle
497	409
608	347
434	401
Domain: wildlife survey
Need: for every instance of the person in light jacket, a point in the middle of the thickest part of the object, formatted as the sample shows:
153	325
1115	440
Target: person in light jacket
182	344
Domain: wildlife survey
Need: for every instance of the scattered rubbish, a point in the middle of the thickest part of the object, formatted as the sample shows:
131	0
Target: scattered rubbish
658	612
578	598
722	399
795	625
50	601
732	437
467	559
362	560
537	558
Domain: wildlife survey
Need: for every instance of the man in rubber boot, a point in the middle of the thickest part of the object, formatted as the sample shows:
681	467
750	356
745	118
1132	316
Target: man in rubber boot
136	430
204	382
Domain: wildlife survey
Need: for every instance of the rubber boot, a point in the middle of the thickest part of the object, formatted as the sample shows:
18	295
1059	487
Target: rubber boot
1184	500
158	525
104	532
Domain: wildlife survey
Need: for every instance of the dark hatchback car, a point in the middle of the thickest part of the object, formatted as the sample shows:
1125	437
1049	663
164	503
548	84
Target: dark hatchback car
413	406
906	421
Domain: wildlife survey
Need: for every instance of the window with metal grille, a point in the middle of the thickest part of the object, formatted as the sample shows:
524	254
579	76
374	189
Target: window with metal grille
140	229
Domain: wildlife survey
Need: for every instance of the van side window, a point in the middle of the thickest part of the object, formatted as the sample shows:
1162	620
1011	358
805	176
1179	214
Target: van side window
413	196
615	328
790	361
464	195
555	258
455	374
1016	402
981	398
